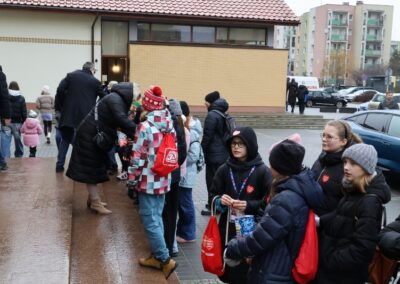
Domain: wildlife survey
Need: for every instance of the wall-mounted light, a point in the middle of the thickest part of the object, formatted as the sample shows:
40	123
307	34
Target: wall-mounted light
115	68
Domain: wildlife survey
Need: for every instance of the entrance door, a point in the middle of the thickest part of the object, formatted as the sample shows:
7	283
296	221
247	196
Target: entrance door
115	68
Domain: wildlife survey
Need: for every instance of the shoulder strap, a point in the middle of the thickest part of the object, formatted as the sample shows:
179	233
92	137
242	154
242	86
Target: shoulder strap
219	112
383	217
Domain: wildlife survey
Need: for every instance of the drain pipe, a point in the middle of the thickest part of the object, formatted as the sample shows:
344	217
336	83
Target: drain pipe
92	43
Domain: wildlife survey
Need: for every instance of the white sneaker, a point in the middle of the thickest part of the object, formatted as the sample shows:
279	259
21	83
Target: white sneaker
122	176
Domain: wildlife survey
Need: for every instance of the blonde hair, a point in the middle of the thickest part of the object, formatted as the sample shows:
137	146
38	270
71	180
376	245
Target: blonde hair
345	132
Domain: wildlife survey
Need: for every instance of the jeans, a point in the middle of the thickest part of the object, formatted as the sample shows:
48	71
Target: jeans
111	161
6	136
150	211
58	137
2	159
67	137
186	227
16	133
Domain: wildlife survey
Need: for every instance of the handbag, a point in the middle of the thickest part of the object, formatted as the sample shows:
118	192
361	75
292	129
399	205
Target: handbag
211	247
381	269
101	139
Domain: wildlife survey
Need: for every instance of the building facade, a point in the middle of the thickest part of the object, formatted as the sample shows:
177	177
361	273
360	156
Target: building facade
342	39
189	48
285	38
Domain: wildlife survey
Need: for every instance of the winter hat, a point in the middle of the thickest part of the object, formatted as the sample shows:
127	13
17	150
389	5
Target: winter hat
249	138
185	108
32	114
287	157
153	99
212	97
364	155
46	89
175	107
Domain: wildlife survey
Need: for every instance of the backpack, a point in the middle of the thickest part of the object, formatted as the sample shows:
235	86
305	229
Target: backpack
306	264
230	124
167	156
200	160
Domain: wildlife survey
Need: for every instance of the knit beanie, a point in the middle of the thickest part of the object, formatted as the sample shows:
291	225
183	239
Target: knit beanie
175	107
185	108
364	155
287	157
153	99
46	89
212	97
32	114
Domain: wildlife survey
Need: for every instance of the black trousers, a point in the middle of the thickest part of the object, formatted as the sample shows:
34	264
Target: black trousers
292	105
32	151
170	214
302	106
211	169
47	126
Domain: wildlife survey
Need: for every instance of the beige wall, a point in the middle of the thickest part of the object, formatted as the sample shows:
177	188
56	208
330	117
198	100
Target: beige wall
39	47
250	79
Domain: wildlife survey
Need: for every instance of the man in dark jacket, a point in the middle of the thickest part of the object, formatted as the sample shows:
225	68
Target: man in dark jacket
388	103
213	144
293	90
76	96
302	93
4	111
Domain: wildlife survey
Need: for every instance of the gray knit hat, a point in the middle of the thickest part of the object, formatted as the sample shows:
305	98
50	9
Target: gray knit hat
175	107
364	155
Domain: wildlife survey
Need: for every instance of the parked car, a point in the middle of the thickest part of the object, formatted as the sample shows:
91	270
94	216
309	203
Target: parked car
324	98
361	96
380	128
349	93
379	97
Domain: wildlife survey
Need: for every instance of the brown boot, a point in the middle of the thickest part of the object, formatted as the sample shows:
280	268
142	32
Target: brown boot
88	202
168	267
150	261
97	207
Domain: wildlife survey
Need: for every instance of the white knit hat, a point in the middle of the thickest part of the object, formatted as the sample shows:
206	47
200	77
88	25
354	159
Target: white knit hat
46	89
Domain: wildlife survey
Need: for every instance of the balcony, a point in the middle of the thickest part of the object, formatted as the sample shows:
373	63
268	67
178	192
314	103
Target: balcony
375	23
373	53
339	23
374	38
338	37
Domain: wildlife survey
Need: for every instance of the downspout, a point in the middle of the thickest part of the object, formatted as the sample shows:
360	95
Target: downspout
92	43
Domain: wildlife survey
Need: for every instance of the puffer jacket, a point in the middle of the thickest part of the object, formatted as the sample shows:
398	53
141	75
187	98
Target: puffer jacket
182	149
278	236
189	180
88	161
45	104
17	107
389	240
213	144
349	235
148	137
31	130
4	96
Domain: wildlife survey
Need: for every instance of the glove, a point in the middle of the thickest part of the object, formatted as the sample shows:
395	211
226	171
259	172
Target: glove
231	262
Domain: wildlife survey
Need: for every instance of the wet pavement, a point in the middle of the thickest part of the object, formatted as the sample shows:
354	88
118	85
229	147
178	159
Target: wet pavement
47	235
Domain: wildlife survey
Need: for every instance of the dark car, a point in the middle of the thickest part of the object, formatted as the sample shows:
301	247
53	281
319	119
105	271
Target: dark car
380	128
324	98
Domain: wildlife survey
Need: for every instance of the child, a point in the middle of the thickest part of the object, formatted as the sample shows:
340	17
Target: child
276	240
241	183
31	130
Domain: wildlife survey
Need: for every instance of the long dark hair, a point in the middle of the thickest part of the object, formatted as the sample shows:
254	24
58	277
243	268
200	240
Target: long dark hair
13	86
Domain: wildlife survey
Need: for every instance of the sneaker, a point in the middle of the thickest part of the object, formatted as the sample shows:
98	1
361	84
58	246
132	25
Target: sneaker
182	240
4	167
205	212
59	169
48	140
150	261
169	267
122	176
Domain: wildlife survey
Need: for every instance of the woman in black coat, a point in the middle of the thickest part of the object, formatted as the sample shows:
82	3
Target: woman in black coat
349	234
88	161
251	182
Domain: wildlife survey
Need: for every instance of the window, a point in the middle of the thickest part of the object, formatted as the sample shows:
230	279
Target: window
222	35
376	121
143	31
394	127
359	119
204	34
247	36
114	38
170	33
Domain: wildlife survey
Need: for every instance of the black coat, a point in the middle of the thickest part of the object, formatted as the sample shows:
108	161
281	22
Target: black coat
348	236
213	143
302	92
88	162
182	150
278	236
293	91
4	97
18	109
389	240
76	96
329	171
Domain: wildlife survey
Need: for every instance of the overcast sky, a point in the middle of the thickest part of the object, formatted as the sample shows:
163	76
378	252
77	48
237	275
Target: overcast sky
302	6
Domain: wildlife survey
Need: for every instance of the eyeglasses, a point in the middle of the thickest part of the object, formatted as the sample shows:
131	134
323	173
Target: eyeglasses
328	137
238	144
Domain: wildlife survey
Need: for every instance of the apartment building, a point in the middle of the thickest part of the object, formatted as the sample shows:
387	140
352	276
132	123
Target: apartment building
285	38
395	45
342	38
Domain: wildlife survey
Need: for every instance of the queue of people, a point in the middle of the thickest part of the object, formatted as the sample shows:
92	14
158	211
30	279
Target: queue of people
343	186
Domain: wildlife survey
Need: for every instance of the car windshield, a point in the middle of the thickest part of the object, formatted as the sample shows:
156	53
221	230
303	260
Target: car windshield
347	91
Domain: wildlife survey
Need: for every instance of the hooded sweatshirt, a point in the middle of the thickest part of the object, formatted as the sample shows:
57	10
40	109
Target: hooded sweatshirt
17	107
147	140
349	234
31	130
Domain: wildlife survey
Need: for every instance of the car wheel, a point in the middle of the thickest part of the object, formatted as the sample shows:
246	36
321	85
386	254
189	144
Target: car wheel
309	104
339	104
